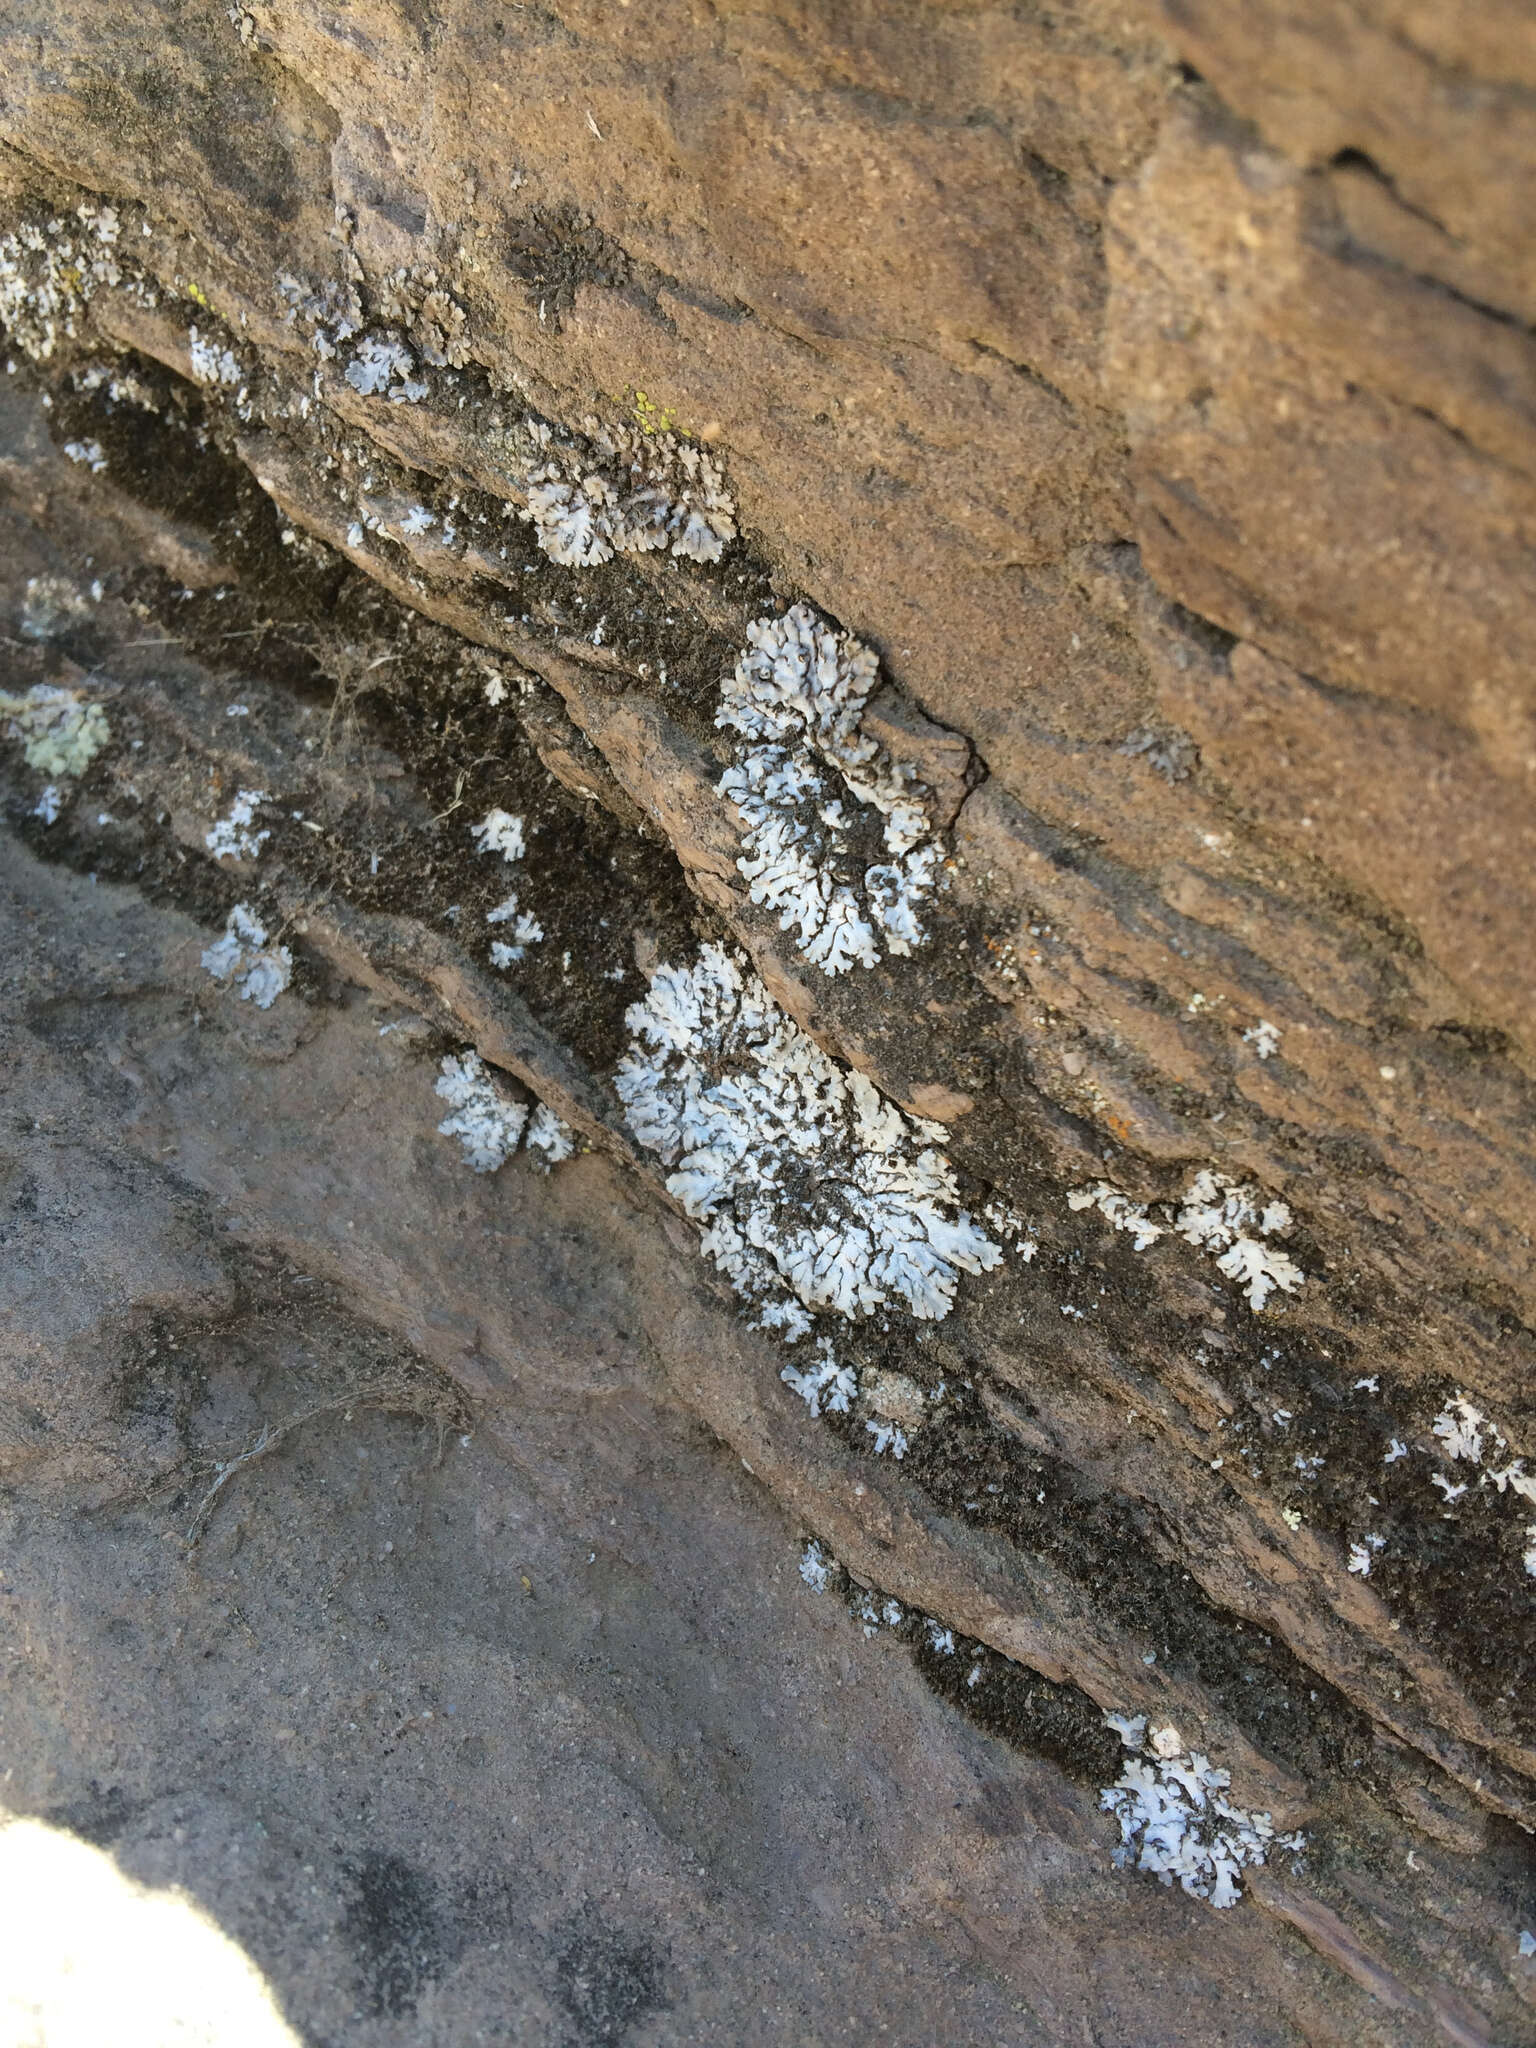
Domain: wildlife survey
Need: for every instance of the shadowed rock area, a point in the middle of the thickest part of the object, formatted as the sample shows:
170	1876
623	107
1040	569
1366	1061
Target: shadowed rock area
780	1552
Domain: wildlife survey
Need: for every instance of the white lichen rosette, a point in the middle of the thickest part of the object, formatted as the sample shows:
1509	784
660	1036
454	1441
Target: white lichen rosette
624	490
1227	1219
814	1194
490	1123
1177	1822
242	958
796	701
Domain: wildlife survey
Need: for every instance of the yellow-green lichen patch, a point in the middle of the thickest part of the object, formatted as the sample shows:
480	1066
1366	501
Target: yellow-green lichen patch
61	731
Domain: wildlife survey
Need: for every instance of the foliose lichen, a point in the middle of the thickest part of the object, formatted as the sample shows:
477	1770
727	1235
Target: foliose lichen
617	490
61	731
814	1193
796	699
490	1123
1176	1821
259	971
1226	1218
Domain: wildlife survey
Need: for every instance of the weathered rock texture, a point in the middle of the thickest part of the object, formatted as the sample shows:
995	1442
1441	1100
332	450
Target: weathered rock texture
1154	390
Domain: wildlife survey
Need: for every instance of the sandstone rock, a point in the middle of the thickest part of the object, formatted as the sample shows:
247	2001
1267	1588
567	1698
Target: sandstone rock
1169	440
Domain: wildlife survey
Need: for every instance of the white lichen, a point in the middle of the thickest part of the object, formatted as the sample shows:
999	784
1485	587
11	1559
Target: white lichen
51	267
888	1438
526	930
525	933
825	1387
1120	1210
814	1192
259	971
1176	1821
49	804
1460	1426
796	699
549	1134
89	453
816	1566
621	490
1264	1038
1012	1228
1129	1727
1224	1217
61	731
211	363
382	368
231	838
1465	1432
1468	1436
1230	1220
490	1123
499	832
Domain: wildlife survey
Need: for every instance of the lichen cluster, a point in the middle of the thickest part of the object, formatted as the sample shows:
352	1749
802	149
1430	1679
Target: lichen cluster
796	700
618	490
490	1124
1226	1218
815	1194
1176	1821
258	971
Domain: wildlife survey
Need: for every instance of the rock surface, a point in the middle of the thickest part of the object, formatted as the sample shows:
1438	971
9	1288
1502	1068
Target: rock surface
1153	392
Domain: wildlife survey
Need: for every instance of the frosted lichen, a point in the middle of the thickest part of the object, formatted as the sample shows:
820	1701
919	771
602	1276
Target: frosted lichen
489	1123
50	607
417	301
331	310
231	838
61	731
1176	1821
1120	1210
1470	1437
796	699
619	490
825	1387
1224	1217
814	1192
499	832
211	363
382	368
260	972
